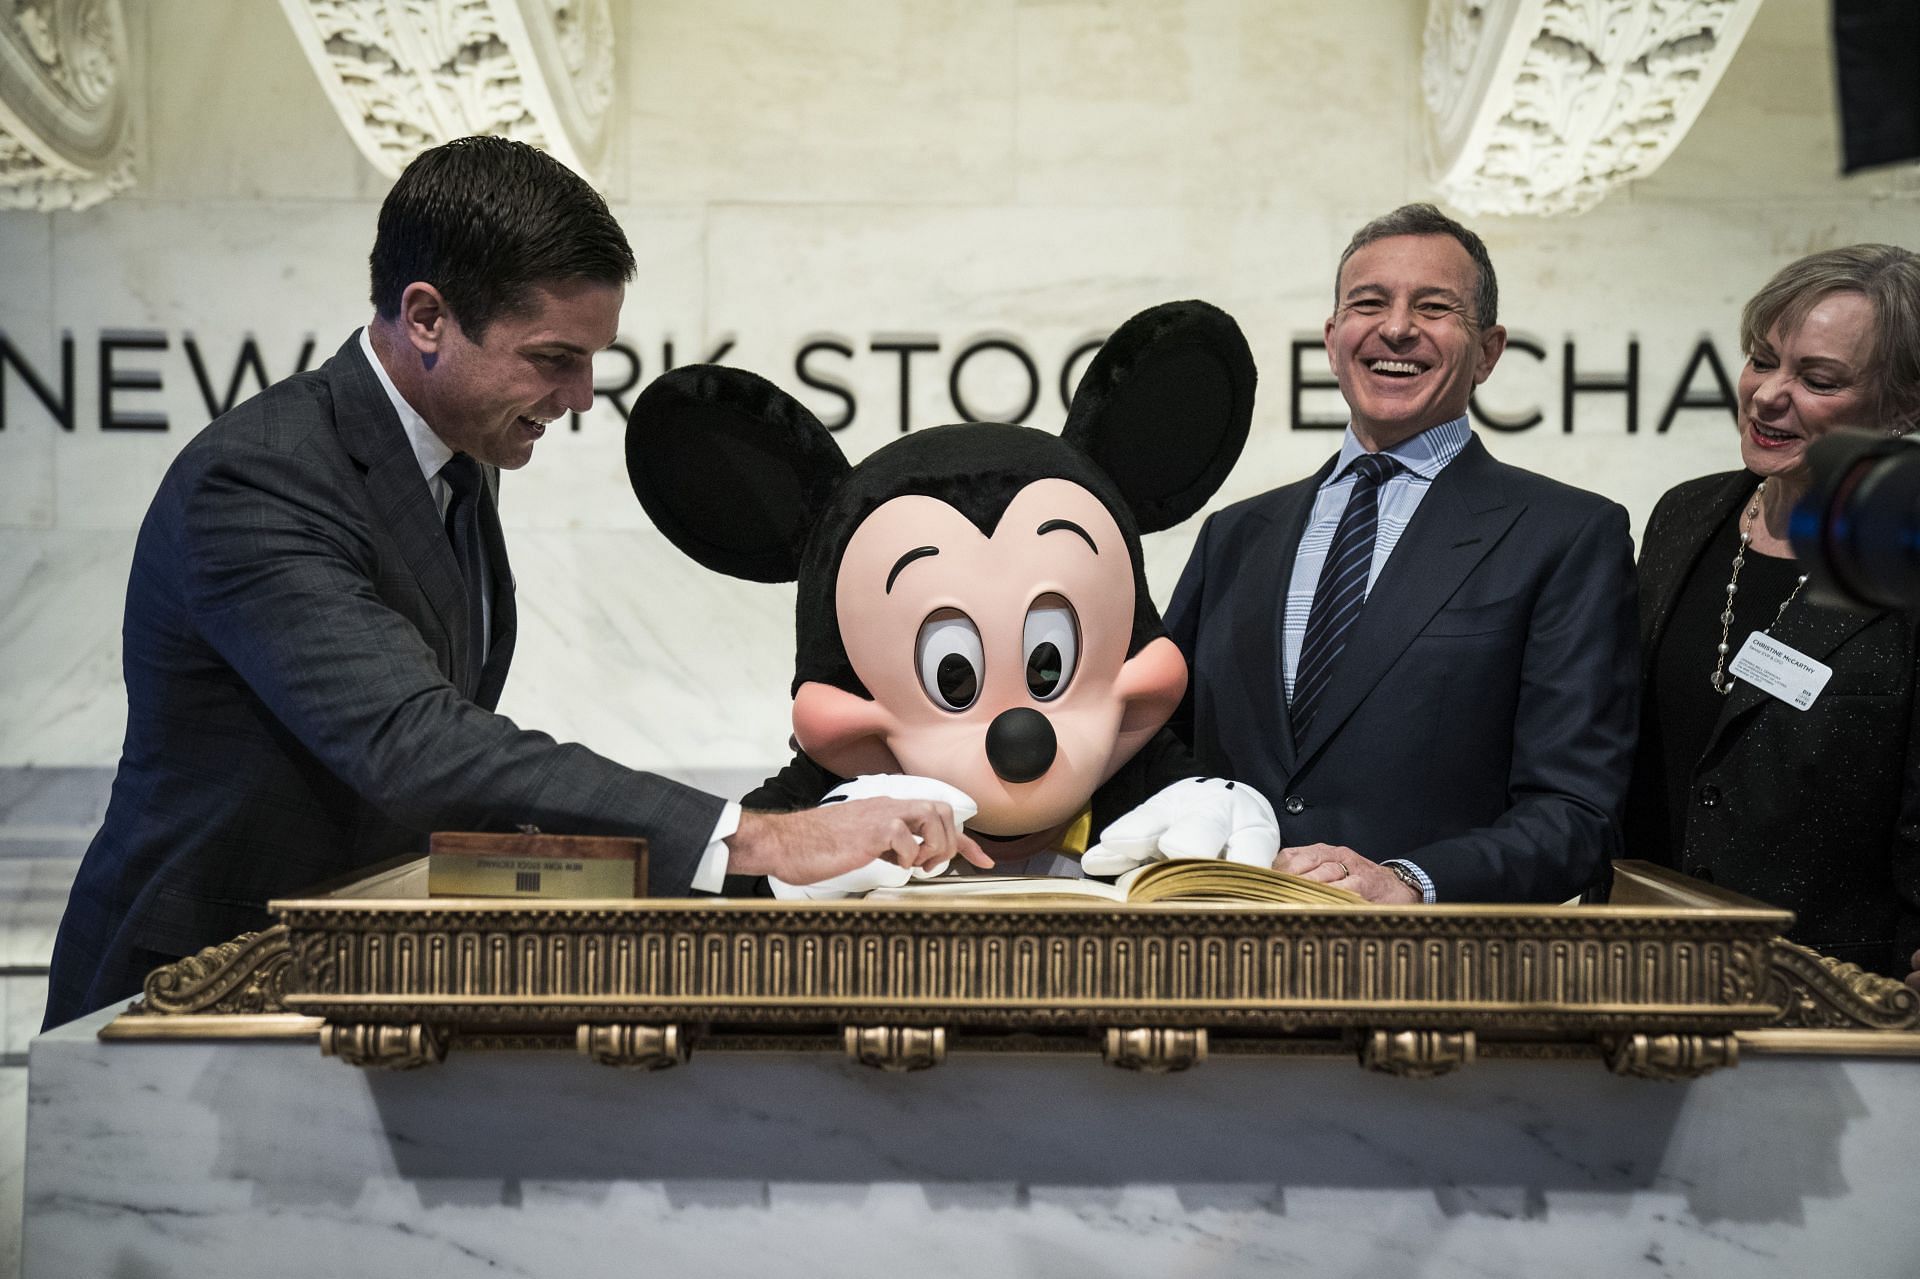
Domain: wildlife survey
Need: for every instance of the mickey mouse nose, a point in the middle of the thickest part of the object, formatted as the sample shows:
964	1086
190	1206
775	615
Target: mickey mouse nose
1020	744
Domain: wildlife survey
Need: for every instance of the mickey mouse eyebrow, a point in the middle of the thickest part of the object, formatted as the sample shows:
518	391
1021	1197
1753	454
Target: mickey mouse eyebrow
1054	526
917	553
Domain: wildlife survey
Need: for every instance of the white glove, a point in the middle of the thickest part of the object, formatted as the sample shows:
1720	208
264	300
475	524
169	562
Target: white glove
1200	817
880	873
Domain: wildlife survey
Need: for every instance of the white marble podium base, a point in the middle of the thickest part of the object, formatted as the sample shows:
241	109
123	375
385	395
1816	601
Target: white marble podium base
155	1160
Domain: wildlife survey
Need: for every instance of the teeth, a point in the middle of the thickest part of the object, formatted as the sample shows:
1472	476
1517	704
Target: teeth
1393	366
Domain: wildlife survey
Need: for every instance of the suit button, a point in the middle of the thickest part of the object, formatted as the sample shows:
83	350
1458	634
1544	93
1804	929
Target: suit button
1709	796
1294	805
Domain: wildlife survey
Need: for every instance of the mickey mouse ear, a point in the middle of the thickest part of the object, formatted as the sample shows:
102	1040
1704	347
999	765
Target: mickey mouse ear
1164	409
731	468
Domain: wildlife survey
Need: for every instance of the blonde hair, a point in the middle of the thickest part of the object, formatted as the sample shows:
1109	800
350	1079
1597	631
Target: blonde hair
1889	278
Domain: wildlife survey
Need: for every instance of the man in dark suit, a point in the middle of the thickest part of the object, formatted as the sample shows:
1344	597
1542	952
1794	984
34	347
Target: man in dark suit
1424	656
320	612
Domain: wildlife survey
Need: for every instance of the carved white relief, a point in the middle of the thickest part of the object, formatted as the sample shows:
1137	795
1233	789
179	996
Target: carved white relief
405	75
1544	106
66	114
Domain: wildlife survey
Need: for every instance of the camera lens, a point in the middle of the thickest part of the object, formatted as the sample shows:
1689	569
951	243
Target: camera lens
1858	528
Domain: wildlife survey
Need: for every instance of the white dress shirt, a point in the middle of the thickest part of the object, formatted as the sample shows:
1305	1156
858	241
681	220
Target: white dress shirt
433	453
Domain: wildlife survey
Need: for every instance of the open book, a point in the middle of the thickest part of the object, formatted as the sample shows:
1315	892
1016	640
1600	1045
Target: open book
1179	880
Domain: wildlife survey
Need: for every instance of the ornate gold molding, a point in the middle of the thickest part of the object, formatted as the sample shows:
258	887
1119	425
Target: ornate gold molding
245	975
136	1024
1154	1050
897	1048
1416	1054
1818	992
1659	987
66	108
1671	1056
389	1047
405	75
635	1047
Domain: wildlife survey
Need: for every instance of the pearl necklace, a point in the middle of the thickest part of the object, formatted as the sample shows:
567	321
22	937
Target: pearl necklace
1721	684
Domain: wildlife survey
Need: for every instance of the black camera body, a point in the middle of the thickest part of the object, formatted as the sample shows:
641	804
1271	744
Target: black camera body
1858	528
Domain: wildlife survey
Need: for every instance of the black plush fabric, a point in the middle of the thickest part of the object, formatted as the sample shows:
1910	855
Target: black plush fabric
1164	409
707	440
975	467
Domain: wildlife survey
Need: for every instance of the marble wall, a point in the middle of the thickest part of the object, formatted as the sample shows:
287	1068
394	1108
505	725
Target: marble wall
236	1158
927	169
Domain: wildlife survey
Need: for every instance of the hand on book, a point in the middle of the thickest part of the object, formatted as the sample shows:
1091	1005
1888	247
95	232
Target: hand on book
1340	866
1200	817
884	871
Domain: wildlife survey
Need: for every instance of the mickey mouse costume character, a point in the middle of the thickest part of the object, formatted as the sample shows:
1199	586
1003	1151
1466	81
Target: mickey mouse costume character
973	618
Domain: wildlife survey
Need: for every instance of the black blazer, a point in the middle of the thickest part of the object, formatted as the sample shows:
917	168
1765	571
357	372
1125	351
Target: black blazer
1480	722
1816	810
295	650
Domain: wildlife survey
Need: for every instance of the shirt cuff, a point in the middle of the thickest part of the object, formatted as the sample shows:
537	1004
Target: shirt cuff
1427	895
711	874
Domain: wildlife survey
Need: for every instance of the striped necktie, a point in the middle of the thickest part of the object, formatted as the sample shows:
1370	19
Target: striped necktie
1342	588
462	475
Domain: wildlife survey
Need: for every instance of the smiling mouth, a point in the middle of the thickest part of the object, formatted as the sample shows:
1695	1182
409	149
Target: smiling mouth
1769	437
536	426
1395	368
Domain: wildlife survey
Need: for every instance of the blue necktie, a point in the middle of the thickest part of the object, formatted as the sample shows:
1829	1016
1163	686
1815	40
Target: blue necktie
462	475
1342	588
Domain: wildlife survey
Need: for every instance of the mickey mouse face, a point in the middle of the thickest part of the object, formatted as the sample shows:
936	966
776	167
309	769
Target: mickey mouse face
997	662
972	605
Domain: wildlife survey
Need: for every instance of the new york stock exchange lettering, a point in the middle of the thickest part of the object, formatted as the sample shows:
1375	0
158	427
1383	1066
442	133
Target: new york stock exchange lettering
1602	387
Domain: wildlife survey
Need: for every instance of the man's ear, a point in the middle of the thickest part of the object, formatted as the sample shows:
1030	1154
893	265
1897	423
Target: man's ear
424	317
843	732
1150	687
1493	340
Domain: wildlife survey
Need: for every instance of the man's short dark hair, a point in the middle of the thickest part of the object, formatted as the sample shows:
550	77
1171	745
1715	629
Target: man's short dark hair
486	220
1424	219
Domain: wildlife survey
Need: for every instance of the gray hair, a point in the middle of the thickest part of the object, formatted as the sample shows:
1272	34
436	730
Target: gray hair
1425	219
1889	278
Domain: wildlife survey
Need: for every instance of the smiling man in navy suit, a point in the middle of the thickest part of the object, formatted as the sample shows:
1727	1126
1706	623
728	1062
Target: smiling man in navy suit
1425	656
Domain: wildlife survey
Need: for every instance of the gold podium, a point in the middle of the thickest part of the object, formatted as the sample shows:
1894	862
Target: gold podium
1671	979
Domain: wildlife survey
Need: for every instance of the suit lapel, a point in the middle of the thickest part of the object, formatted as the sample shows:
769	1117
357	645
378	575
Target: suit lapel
1260	605
1461	518
372	433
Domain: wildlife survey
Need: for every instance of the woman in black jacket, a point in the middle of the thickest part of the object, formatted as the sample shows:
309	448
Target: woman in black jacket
1815	809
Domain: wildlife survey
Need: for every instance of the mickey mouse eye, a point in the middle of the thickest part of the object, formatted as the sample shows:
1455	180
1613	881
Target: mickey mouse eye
950	658
1052	646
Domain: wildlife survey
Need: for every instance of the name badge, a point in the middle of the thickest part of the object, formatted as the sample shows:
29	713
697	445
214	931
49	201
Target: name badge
1776	668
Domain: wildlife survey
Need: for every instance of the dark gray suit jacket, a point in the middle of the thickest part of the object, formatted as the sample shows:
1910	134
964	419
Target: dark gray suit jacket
1816	810
1480	722
295	655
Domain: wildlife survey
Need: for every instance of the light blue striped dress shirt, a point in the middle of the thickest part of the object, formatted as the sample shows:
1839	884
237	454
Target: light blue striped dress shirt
1421	459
